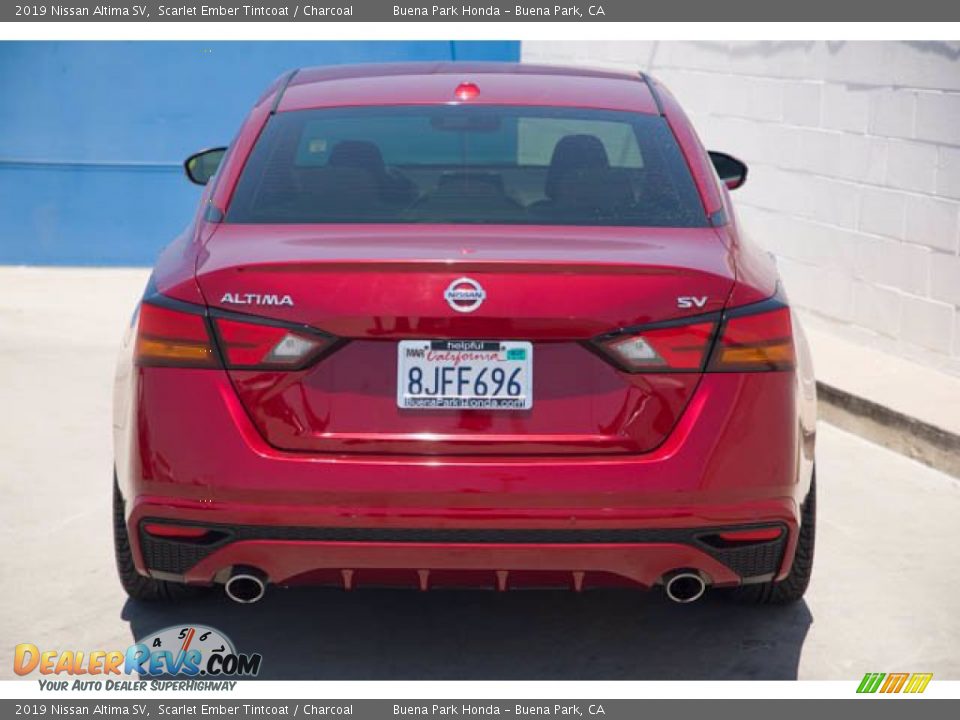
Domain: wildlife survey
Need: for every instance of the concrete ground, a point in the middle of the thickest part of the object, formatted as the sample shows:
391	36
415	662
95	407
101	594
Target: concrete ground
883	598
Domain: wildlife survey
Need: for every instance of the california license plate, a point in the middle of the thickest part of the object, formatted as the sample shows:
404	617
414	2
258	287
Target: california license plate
465	374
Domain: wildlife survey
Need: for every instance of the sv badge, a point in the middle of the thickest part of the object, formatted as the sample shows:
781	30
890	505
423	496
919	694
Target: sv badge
686	302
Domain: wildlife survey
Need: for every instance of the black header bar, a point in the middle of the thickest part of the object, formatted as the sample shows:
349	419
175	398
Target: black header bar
321	11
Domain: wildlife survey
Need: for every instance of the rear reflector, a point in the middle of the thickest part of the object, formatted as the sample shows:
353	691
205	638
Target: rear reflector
175	531
171	337
678	347
758	341
267	347
755	535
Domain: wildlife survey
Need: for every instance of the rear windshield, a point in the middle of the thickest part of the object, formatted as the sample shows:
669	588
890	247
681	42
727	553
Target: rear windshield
467	164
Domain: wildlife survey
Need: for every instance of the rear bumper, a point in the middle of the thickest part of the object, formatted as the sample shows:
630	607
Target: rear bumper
352	556
187	453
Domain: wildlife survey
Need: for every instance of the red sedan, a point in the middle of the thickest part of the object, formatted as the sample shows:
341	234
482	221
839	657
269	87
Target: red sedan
483	325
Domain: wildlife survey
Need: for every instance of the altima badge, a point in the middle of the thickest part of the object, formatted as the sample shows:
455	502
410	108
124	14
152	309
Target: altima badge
464	295
255	299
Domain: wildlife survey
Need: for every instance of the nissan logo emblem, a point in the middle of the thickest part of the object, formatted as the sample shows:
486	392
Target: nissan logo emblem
464	295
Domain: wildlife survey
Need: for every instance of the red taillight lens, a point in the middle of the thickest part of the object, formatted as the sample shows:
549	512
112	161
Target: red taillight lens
267	347
679	347
172	337
757	341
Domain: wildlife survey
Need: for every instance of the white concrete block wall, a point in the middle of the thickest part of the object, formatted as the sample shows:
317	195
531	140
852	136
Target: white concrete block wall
854	150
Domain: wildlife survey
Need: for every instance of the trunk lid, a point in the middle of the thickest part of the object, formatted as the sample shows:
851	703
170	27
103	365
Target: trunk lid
376	285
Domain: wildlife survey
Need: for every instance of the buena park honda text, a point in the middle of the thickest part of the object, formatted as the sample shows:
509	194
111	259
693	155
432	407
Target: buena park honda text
485	325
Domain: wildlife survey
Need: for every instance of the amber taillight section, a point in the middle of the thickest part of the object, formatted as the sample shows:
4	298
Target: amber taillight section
168	337
755	341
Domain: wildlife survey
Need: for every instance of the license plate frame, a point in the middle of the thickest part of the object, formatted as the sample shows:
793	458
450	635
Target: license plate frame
460	375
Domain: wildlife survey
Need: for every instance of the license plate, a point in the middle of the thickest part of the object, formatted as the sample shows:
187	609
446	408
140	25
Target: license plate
465	374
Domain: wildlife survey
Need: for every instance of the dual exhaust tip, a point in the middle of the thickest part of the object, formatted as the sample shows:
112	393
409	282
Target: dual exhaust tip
247	585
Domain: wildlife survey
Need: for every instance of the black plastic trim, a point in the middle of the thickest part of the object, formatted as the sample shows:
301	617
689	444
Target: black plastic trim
653	92
672	322
746	559
281	90
153	296
777	301
719	218
213	214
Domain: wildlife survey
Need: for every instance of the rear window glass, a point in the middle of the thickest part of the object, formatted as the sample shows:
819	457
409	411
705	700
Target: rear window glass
467	164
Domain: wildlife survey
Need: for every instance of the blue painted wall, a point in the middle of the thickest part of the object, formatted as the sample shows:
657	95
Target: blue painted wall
92	134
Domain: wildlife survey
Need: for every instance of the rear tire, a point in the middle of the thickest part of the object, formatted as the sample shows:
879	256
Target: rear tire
792	588
137	586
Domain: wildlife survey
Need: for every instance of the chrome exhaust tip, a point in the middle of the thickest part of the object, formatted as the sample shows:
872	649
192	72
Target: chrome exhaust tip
684	586
246	585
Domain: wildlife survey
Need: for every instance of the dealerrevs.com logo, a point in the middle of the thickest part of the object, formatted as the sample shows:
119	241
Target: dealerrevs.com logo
183	651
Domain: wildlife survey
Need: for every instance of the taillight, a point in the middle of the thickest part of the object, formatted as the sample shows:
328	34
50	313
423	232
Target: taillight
171	337
171	333
750	338
675	347
759	340
254	345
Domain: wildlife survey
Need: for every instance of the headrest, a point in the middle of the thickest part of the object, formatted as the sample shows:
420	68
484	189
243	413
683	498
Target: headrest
574	153
357	154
